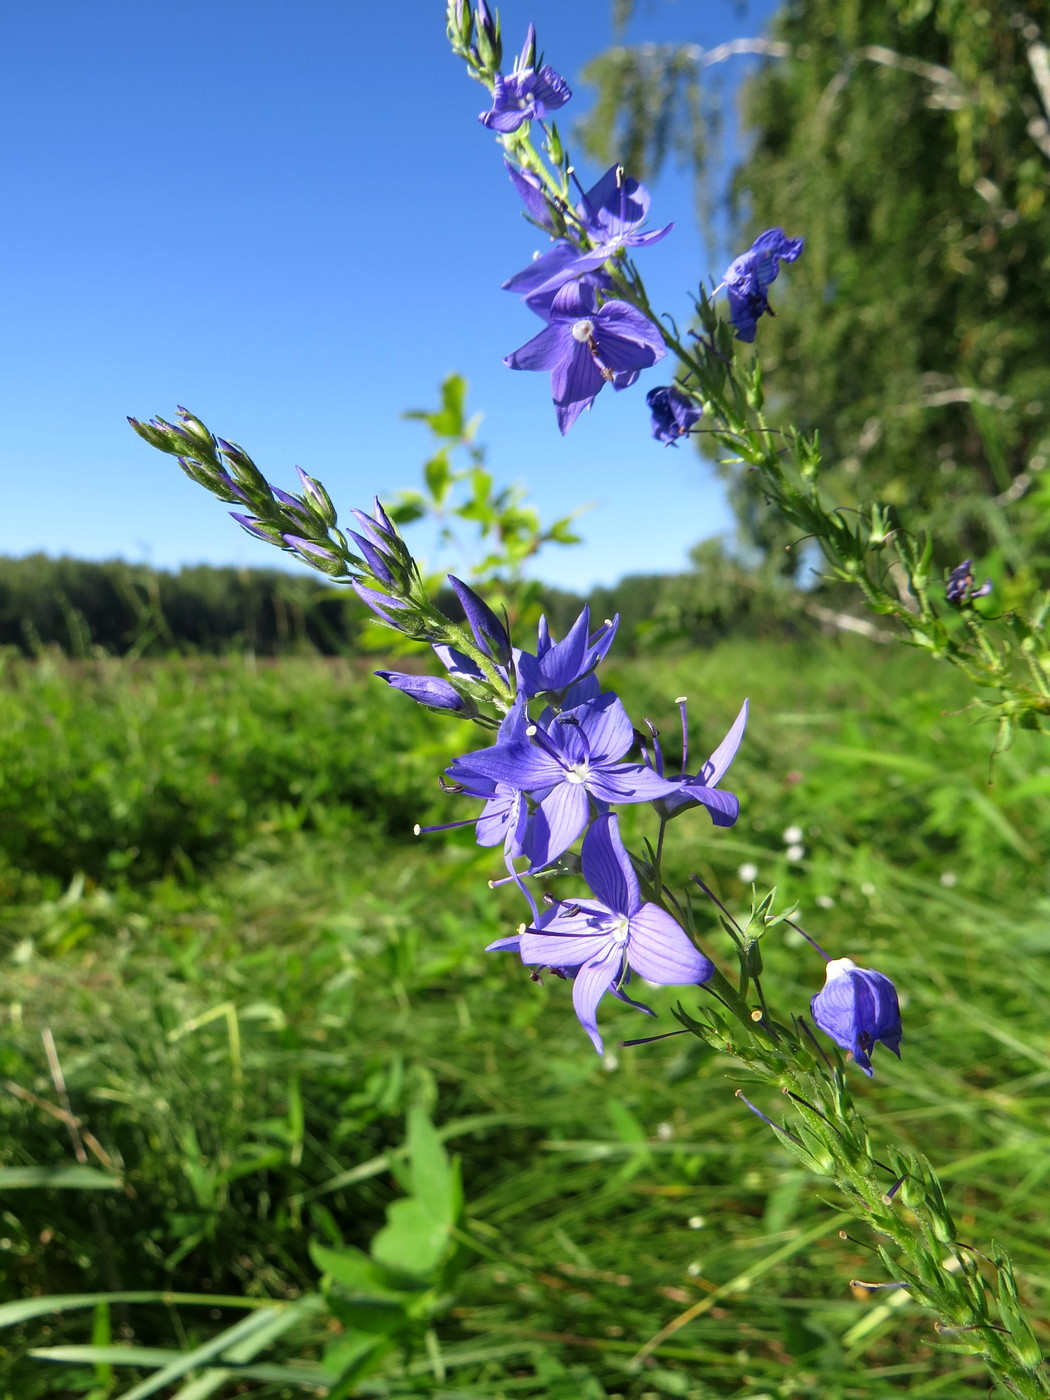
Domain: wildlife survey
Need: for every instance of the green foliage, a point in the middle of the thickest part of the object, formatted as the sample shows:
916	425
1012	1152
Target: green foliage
907	142
182	765
243	1054
509	533
131	609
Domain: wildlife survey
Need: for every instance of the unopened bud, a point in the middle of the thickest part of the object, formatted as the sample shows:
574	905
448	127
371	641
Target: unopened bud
317	498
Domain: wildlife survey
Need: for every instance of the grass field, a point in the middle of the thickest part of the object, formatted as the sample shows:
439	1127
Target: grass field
252	973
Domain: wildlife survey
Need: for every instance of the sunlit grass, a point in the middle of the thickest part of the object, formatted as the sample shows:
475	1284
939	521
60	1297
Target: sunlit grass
244	1009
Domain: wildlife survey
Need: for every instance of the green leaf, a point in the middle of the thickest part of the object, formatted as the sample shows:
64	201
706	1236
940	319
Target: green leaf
413	1240
429	1169
438	475
197	1358
76	1178
25	1308
353	1269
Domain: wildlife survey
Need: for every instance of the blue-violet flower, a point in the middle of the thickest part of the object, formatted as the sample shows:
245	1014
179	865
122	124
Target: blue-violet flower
960	589
611	936
610	216
702	790
525	94
584	352
748	278
573	757
558	665
673	413
857	1008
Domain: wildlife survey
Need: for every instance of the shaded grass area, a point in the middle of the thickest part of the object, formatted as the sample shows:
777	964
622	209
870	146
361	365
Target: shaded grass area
245	1009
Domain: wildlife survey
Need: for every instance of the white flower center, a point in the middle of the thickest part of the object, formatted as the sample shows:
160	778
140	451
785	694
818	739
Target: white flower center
619	929
577	773
583	331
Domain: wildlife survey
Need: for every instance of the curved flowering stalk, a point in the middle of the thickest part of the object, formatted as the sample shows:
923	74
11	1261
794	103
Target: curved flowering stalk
590	267
381	570
595	937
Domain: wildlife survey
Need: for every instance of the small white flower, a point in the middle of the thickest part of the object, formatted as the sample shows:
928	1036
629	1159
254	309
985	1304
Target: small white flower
825	901
795	852
949	879
697	1222
664	1131
792	835
748	871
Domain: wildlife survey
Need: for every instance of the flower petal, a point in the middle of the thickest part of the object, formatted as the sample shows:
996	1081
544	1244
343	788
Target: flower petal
590	985
557	821
659	950
544	351
723	756
607	867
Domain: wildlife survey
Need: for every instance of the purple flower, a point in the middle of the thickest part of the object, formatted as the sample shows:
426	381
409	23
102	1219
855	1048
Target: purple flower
673	413
533	195
611	936
572	759
857	1008
307	548
525	95
702	790
558	665
577	297
382	604
504	818
489	633
960	589
749	277
610	216
586	352
430	691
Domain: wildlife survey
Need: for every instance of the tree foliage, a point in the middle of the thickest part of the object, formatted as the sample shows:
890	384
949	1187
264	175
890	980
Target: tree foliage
908	141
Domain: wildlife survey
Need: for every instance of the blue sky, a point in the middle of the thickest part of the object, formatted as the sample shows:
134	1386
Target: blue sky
289	219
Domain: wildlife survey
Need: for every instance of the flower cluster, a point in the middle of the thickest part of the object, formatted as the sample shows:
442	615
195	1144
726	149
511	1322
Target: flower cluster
599	328
555	775
561	762
591	338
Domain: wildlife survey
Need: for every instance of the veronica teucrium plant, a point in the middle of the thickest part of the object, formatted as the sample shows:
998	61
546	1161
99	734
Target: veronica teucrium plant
561	761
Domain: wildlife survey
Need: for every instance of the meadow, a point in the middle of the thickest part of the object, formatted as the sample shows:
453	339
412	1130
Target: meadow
233	976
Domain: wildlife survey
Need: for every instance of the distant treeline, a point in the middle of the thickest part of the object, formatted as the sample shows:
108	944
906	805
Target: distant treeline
132	609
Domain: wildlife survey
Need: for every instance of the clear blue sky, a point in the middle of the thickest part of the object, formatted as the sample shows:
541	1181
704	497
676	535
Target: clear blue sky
288	218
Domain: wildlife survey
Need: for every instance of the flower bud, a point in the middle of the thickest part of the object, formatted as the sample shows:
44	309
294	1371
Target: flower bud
489	633
434	693
857	1008
315	555
490	47
192	425
317	498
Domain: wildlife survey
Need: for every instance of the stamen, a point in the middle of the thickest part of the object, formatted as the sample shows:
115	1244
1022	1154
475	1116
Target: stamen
759	1114
418	830
680	702
652	1039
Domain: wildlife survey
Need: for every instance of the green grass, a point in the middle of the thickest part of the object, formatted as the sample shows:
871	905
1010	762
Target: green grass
251	971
